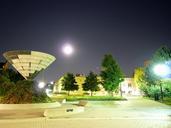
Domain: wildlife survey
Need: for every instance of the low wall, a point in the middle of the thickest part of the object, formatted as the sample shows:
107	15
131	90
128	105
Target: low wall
29	106
21	111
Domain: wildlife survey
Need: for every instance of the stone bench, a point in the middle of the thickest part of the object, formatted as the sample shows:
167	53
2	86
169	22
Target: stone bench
62	111
82	103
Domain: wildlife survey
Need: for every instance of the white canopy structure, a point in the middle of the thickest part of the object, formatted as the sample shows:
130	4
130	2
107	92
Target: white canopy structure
29	63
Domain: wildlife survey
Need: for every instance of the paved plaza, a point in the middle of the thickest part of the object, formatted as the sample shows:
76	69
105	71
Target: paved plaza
134	113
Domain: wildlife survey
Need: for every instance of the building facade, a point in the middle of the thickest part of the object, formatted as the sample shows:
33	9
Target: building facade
127	87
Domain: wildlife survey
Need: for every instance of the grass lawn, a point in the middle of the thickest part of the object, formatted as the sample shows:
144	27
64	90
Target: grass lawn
167	100
90	98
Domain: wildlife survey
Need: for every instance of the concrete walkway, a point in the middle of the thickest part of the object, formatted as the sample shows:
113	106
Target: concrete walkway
133	108
134	113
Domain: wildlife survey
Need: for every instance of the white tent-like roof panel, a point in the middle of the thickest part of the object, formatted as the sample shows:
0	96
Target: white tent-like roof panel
27	63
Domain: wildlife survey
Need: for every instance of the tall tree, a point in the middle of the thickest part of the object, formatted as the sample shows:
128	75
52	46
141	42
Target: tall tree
91	83
139	76
69	83
9	73
140	80
161	56
111	73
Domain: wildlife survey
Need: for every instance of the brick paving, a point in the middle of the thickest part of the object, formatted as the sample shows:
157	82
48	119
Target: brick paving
134	113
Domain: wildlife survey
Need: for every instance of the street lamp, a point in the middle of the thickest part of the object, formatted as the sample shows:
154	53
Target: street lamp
41	85
161	70
51	82
48	92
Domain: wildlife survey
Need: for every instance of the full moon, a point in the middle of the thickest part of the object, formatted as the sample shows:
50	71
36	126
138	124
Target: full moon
67	49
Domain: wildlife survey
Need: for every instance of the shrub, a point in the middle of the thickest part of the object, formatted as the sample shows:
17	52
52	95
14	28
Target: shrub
153	91
21	92
40	98
167	88
5	85
24	92
144	90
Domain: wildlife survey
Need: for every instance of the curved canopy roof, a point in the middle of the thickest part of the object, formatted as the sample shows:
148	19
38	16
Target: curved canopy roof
29	63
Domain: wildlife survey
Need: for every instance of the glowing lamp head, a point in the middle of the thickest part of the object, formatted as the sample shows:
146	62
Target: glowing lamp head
67	49
41	85
48	92
161	70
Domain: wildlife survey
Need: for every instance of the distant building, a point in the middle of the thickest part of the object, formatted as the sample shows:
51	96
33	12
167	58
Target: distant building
58	85
127	86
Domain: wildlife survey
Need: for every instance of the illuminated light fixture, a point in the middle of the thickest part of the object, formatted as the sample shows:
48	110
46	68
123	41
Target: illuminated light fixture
48	92
67	49
162	70
41	85
29	63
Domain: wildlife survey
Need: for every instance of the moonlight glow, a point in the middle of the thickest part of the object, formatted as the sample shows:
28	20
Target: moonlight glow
67	49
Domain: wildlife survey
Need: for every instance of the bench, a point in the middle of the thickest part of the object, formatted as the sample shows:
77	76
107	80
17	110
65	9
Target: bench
82	103
62	111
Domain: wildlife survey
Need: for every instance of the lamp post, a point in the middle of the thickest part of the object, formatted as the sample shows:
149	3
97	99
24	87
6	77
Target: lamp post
162	71
41	85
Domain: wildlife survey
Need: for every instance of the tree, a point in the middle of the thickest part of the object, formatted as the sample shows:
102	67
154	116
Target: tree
139	76
69	83
21	92
5	85
10	73
111	73
24	91
91	83
140	81
14	76
161	56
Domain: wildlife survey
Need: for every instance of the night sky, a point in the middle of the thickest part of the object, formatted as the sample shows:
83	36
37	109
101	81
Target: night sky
130	30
